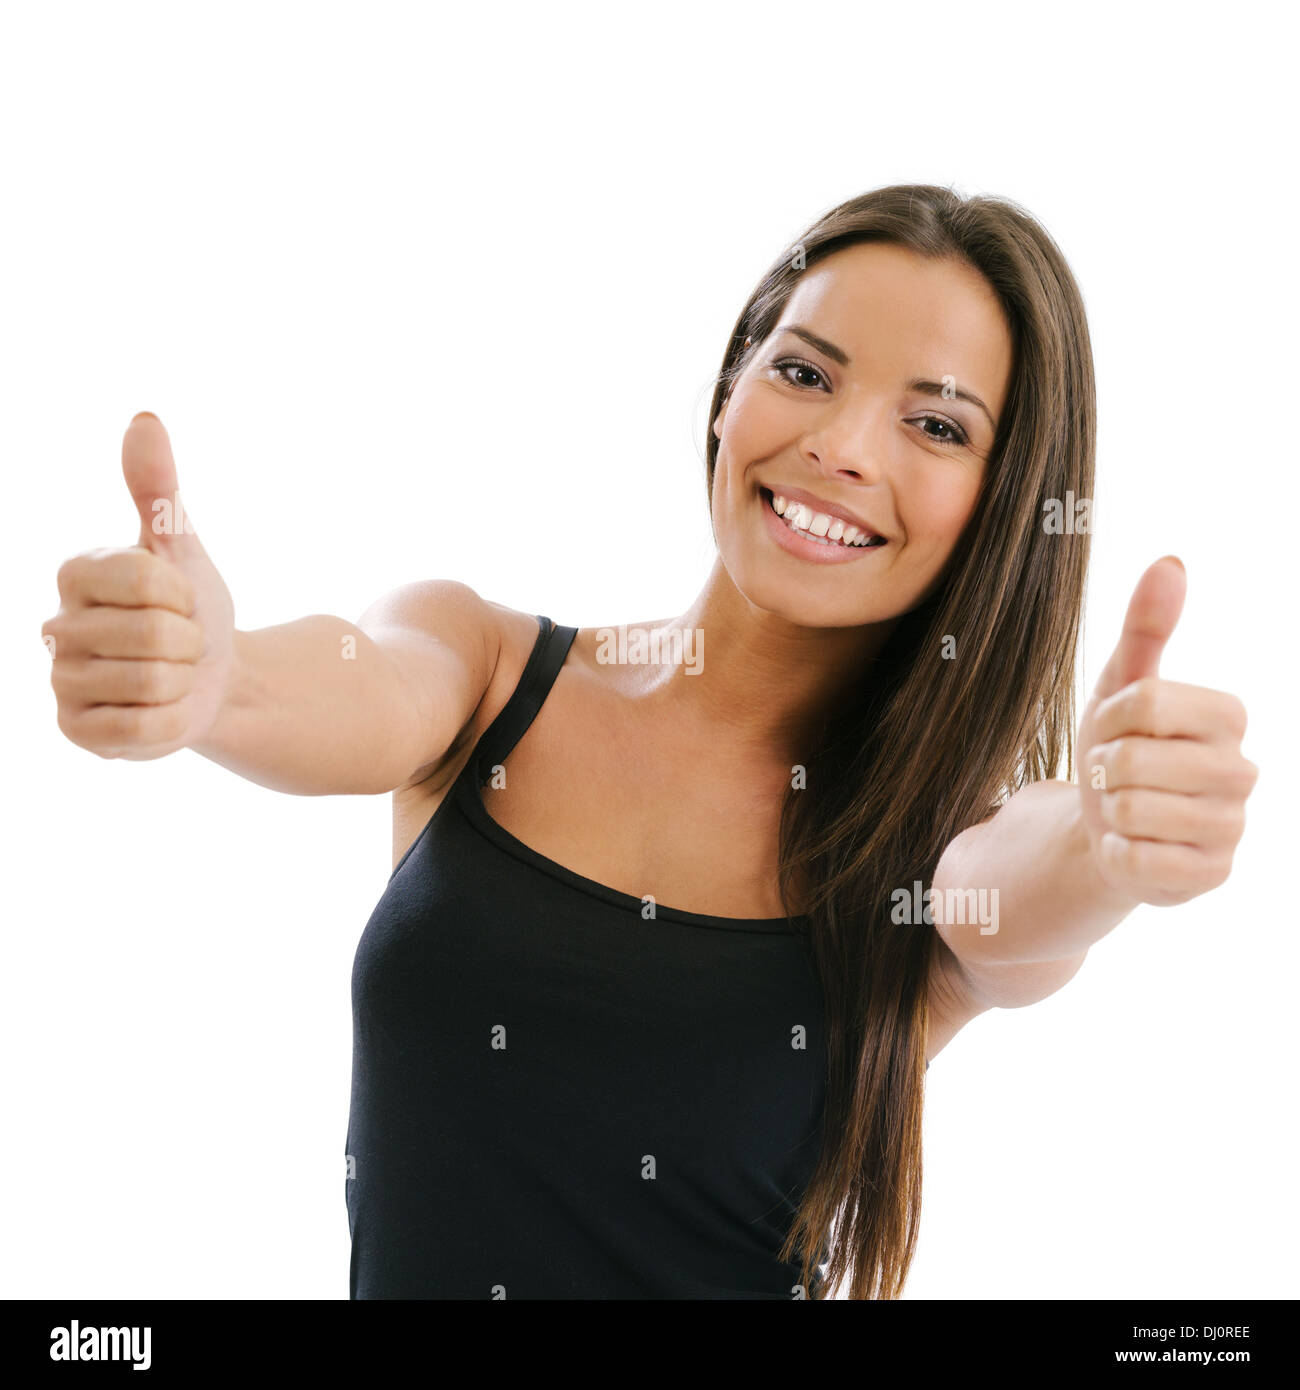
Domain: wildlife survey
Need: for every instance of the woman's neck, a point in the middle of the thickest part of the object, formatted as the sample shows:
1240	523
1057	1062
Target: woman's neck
762	682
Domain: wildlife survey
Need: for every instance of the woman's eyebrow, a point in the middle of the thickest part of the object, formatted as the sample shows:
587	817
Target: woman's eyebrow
831	351
935	388
928	388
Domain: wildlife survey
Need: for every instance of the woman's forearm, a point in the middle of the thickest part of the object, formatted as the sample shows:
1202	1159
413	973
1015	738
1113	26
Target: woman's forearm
1024	886
322	705
313	708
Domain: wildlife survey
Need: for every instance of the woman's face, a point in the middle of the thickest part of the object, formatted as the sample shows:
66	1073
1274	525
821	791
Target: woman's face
855	410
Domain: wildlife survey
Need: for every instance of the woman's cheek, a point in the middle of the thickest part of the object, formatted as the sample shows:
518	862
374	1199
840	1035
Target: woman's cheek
757	425
936	517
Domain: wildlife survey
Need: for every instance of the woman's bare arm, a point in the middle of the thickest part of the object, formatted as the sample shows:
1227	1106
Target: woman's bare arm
147	660
1155	817
323	706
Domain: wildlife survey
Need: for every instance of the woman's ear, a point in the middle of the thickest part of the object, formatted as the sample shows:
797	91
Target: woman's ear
717	423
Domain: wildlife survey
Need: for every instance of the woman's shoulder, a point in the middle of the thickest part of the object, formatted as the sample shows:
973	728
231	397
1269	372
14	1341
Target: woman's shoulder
455	613
486	642
514	633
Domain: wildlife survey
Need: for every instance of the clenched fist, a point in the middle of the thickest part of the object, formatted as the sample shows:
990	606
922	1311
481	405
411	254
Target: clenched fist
1161	772
143	640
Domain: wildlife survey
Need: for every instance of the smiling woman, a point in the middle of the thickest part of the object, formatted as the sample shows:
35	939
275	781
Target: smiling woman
846	407
645	1007
919	367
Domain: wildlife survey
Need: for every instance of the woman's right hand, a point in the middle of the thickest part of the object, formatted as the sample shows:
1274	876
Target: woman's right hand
143	642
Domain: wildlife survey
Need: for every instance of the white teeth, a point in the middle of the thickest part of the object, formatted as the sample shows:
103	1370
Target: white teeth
827	529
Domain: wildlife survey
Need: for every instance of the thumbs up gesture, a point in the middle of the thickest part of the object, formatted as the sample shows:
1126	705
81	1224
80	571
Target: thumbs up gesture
1161	774
143	641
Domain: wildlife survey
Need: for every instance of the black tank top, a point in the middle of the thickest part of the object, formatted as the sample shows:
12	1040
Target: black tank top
556	1094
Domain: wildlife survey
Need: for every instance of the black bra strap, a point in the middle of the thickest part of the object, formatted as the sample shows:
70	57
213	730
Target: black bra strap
544	662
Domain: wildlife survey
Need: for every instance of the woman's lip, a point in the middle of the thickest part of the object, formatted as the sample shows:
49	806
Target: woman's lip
817	504
804	548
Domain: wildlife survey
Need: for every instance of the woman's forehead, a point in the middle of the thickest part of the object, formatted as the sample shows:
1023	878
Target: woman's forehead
887	307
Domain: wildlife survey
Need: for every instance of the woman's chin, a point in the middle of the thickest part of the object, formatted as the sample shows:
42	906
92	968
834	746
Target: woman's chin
810	602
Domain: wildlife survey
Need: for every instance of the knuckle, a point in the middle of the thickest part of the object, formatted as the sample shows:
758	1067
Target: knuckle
142	576
122	726
1240	777
1114	758
1145	699
1123	760
1131	859
1236	715
145	680
154	631
69	573
1121	854
1215	820
62	679
1217	871
1123	809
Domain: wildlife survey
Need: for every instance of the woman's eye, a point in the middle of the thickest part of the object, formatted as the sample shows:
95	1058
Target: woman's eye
804	369
800	373
955	434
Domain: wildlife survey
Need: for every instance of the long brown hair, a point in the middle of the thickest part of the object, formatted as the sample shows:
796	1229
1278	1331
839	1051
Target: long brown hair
933	745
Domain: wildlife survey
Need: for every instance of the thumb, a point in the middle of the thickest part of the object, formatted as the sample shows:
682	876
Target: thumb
1153	613
150	473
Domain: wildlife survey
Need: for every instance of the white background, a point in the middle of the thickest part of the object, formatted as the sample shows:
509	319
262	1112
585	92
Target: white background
425	291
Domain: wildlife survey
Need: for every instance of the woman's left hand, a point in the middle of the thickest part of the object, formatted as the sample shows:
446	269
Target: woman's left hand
1161	775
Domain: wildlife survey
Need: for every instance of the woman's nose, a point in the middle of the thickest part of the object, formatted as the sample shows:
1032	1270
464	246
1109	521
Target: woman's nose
847	449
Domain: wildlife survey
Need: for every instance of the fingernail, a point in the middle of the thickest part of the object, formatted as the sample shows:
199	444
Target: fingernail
140	413
1178	562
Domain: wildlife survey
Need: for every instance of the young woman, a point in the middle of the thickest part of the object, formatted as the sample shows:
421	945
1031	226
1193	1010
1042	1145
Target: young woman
680	912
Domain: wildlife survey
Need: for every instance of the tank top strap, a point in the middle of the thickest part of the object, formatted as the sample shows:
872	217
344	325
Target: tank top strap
543	665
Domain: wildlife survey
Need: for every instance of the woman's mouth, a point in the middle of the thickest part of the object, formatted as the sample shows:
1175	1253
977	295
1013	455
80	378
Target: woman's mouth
814	535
